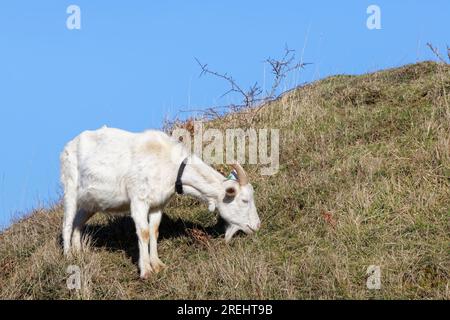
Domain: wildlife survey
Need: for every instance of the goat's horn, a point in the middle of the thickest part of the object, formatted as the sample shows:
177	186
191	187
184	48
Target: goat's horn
242	176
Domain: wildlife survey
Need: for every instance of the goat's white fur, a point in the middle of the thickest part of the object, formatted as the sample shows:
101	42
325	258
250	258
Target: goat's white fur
111	170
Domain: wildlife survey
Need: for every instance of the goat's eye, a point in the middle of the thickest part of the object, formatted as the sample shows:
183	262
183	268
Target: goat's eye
245	201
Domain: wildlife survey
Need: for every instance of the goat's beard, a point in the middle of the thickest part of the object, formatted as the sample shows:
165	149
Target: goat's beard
231	231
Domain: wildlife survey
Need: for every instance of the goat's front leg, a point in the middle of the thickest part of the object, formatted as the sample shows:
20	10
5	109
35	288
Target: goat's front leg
155	220
139	213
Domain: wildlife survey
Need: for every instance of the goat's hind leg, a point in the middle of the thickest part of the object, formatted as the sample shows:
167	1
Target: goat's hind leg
81	217
69	177
70	212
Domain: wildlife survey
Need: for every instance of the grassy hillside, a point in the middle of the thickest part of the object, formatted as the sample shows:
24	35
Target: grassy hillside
364	180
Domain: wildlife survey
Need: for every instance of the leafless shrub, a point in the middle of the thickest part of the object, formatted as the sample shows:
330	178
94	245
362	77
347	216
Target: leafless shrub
253	97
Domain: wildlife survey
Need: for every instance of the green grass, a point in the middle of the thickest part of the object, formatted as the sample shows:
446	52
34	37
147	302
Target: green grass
364	180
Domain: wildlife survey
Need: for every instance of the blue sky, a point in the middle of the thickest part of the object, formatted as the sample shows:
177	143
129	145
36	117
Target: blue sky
132	64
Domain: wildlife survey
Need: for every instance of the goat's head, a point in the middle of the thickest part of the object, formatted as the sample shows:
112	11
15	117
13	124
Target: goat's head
237	206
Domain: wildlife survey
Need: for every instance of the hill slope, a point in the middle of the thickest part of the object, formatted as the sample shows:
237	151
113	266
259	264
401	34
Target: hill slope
364	180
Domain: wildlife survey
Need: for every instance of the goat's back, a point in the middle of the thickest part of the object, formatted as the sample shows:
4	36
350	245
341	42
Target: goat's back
107	164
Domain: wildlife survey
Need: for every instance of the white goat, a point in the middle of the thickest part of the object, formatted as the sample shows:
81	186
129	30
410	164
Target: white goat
111	170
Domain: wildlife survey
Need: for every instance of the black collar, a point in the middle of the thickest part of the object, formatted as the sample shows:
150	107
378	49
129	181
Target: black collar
179	184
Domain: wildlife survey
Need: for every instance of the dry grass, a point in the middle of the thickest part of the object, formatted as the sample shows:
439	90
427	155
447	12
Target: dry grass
364	180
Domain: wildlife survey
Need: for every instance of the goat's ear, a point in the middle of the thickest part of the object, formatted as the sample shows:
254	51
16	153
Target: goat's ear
231	192
231	189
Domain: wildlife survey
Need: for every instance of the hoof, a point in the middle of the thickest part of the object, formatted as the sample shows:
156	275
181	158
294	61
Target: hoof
146	274
157	265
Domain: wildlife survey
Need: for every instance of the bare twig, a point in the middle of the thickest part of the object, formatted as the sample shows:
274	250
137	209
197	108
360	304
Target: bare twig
437	53
250	97
281	68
